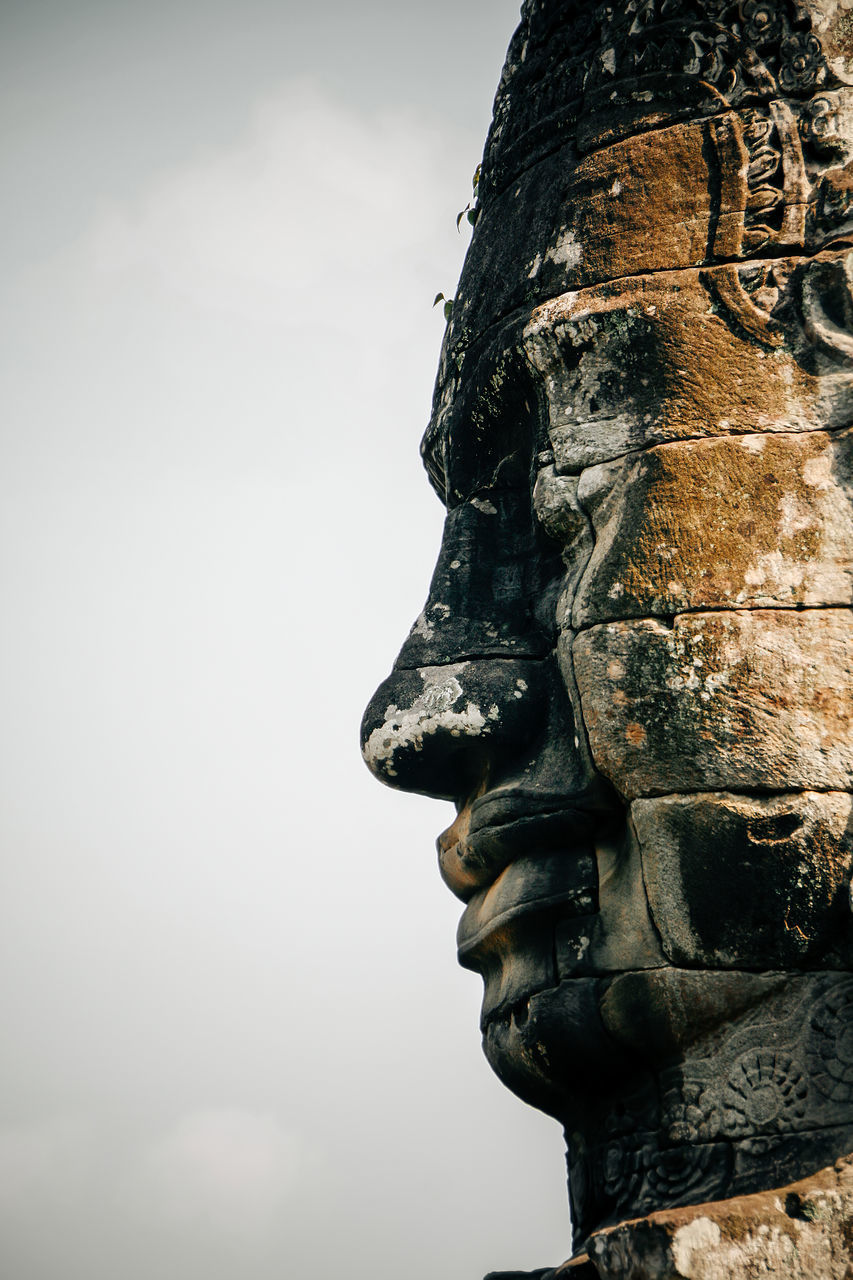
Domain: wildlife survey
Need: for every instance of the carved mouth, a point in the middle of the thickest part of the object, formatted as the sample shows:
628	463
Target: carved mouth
564	882
501	828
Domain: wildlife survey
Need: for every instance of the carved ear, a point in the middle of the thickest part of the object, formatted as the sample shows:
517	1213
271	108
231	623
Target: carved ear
725	282
827	303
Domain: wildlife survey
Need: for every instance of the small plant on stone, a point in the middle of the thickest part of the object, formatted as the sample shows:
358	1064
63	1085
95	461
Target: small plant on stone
472	208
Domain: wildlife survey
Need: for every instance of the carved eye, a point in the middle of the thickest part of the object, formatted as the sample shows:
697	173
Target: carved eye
491	424
555	504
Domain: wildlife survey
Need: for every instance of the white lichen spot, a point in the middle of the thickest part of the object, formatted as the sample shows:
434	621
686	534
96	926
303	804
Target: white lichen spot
534	266
494	712
817	473
752	444
688	680
794	516
405	729
616	669
616	189
456	564
522	685
608	60
439	694
616	591
567	252
483	505
694	1237
786	574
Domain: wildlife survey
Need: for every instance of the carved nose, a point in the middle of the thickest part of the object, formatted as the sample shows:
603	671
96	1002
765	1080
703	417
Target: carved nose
439	730
493	591
469	688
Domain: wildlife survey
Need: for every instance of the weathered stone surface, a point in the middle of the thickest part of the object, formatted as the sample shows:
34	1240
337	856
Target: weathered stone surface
749	881
587	217
595	73
753	1078
800	1232
750	521
620	935
606	352
663	1012
633	671
737	700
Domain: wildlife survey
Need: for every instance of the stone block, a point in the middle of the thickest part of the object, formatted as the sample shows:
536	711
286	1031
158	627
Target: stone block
745	881
749	521
803	1231
740	700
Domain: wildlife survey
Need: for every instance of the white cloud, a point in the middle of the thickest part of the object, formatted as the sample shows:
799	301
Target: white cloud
307	211
230	1169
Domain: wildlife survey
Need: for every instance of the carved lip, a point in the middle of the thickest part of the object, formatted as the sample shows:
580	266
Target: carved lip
562	880
503	827
506	806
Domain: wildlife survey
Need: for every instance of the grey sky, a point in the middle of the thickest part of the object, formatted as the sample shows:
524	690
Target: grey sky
236	1043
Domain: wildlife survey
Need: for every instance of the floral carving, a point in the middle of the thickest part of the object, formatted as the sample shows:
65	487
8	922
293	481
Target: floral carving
692	1114
765	1090
687	1171
621	1170
762	21
831	1056
802	59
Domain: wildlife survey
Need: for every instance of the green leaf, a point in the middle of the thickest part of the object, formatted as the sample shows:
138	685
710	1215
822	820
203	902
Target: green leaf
459	217
472	216
439	297
448	308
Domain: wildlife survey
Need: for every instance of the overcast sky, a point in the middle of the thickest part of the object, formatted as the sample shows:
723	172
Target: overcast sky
236	1045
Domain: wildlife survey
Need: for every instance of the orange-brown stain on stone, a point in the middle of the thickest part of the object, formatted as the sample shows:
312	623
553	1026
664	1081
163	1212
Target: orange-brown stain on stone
730	522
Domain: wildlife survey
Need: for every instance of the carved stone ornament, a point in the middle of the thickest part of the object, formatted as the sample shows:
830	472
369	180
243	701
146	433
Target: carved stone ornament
633	672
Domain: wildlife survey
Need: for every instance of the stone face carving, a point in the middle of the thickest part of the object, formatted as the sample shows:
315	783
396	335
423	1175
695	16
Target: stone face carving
633	673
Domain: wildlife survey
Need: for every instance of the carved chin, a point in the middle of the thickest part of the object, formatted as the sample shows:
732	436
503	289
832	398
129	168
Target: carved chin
551	1049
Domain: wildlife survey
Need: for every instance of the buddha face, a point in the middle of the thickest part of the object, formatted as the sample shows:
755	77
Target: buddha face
633	670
